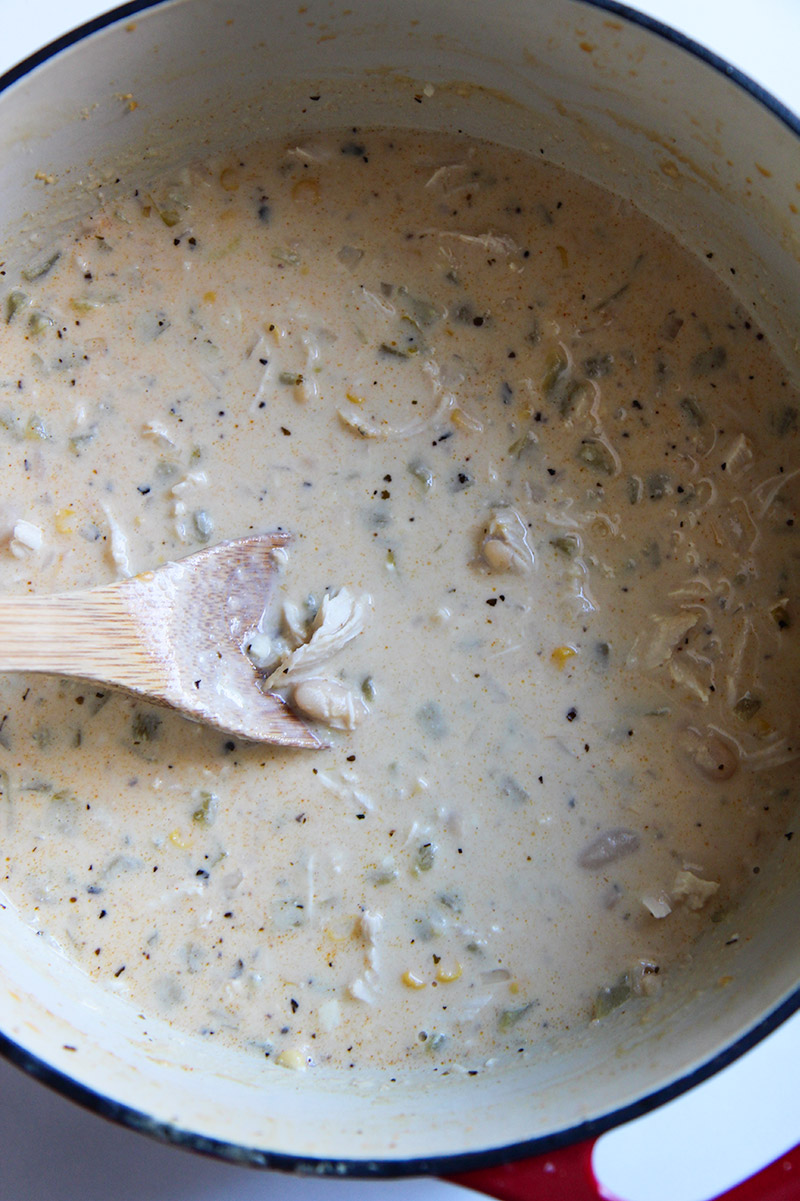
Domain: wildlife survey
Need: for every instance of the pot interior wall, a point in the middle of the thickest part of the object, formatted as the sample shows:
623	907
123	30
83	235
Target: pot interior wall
586	90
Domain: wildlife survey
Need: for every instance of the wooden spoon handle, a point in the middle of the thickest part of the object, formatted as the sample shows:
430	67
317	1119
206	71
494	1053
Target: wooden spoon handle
94	635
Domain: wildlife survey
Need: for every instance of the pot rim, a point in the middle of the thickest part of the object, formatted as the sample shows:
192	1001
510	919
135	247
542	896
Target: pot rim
440	1165
388	1169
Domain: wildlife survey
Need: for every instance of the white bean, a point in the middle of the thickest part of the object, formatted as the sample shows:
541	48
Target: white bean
329	702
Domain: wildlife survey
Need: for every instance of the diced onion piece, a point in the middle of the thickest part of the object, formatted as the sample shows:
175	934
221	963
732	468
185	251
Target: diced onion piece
608	847
26	537
329	1015
359	991
659	906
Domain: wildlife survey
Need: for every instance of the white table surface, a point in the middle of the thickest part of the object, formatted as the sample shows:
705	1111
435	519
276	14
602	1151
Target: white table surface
688	1151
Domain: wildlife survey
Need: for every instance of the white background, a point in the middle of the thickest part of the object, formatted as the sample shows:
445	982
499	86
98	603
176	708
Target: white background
50	1149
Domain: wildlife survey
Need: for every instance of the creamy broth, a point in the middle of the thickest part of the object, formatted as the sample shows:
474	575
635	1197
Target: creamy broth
550	461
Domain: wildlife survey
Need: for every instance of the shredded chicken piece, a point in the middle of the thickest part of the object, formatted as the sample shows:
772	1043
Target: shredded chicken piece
493	243
655	648
369	925
340	618
293	624
159	432
690	888
505	545
118	546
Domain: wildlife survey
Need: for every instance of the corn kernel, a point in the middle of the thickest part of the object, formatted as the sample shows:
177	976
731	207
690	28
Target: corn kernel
209	297
513	987
561	654
63	521
293	1058
463	421
177	839
412	981
354	400
448	975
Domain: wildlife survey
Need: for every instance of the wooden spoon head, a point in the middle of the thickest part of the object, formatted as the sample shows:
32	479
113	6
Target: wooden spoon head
197	614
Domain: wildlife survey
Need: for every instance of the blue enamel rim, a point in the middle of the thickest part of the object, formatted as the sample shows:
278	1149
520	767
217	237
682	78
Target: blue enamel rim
443	1165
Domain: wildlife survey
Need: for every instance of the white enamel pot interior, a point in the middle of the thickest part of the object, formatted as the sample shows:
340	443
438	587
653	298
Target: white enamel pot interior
584	86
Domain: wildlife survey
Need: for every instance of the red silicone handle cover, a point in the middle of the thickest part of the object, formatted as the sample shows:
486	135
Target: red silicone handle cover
567	1175
562	1175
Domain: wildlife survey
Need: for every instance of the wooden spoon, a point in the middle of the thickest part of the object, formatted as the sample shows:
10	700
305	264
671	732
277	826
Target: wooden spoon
174	636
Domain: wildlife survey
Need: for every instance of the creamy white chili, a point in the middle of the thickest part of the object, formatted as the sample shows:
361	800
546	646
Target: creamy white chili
540	470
